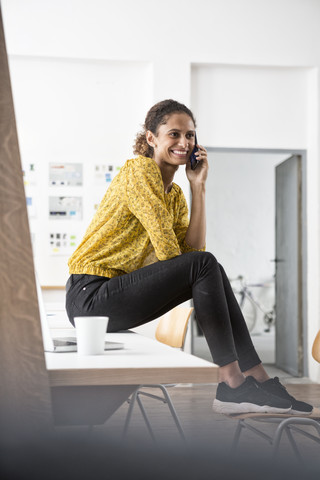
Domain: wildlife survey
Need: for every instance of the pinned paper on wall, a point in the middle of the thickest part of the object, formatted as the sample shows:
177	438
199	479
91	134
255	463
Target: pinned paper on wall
65	208
62	243
65	174
103	174
31	207
29	175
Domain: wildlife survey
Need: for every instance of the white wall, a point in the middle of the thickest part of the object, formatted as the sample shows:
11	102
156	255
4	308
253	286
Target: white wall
77	111
177	38
251	106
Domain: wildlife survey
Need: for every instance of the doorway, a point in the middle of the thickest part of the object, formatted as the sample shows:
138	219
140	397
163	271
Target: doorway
241	233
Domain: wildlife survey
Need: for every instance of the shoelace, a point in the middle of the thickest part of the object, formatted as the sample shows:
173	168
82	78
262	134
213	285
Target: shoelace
279	384
277	381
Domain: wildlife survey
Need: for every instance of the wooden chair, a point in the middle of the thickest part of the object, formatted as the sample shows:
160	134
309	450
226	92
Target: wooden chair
316	348
171	330
285	423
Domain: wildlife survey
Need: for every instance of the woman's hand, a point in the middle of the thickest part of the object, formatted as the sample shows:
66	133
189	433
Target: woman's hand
196	233
200	173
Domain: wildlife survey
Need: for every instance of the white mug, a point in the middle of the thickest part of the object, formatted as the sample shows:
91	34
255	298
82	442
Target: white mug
91	332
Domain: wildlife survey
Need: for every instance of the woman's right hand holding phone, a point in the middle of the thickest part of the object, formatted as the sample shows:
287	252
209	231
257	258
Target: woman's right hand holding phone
198	174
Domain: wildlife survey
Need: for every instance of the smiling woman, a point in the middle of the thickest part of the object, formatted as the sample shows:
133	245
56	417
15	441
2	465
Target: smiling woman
176	138
141	256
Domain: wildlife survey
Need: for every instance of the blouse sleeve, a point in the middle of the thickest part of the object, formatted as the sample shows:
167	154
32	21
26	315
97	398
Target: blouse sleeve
145	199
182	225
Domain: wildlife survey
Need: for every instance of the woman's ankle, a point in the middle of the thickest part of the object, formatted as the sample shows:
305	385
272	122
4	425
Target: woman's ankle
235	382
231	375
258	373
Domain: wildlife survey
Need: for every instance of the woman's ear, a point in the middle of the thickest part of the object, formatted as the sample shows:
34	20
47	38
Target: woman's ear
150	137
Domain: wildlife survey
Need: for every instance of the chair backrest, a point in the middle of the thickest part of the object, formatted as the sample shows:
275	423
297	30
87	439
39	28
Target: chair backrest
316	348
172	327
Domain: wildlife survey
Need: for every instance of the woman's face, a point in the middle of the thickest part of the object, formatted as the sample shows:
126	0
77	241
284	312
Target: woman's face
174	141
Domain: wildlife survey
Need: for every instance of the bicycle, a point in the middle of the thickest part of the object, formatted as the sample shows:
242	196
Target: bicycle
250	306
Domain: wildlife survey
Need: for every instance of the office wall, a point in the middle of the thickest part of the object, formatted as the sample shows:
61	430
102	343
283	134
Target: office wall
77	120
280	39
252	106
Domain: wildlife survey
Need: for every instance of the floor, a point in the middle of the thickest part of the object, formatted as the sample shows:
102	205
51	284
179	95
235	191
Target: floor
206	431
80	453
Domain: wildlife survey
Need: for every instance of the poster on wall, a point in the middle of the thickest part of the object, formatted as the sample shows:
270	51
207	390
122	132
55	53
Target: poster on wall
29	175
62	243
65	174
31	207
104	174
65	208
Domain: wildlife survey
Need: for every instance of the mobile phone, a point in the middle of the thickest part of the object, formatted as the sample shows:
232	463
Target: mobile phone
193	159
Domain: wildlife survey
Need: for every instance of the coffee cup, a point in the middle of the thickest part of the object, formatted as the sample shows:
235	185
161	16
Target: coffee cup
91	332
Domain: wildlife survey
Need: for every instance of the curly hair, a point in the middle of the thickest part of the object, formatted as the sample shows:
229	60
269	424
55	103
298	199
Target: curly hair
157	115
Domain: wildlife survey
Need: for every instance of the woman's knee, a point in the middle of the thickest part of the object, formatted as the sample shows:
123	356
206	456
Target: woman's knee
204	260
208	258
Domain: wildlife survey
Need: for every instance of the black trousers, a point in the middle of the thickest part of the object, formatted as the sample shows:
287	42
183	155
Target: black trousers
136	298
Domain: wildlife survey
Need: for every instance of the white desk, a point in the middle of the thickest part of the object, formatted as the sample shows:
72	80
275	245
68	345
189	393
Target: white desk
143	360
88	389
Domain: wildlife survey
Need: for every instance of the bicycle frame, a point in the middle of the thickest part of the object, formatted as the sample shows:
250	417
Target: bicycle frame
244	292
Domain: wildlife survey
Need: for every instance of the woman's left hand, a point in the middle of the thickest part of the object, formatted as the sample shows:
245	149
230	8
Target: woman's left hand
200	173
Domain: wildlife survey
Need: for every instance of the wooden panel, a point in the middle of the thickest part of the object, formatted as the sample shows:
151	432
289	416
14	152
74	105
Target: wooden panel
127	376
25	395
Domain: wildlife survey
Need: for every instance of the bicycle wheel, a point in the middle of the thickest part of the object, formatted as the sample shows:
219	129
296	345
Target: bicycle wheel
249	311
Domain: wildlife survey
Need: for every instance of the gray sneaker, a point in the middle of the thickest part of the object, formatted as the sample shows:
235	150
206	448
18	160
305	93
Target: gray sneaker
249	397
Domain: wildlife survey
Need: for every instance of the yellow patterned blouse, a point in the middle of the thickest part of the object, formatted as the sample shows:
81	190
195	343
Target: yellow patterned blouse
136	224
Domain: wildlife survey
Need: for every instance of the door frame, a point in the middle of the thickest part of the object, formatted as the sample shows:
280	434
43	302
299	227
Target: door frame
304	252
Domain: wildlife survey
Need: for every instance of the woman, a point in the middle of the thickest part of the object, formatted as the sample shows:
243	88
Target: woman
141	256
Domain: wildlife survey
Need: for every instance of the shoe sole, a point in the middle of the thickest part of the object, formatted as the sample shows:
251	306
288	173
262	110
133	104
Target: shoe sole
297	412
230	408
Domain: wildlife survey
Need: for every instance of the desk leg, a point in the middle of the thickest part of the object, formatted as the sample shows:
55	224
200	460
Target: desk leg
87	405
